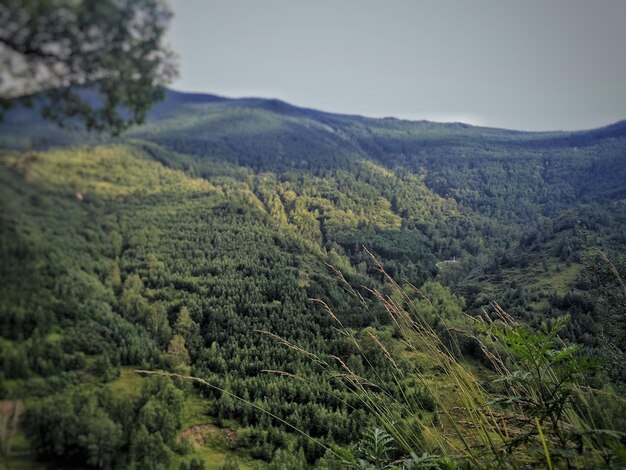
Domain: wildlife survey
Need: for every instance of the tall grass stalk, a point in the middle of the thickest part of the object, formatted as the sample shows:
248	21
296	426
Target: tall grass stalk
532	399
529	408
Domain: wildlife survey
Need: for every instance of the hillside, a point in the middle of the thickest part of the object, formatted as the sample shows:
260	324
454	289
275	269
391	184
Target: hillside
171	247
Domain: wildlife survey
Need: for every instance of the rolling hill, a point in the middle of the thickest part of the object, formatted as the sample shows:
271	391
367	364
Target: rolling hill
172	246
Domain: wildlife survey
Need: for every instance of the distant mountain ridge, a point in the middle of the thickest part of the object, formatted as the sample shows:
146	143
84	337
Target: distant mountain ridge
178	103
172	96
270	135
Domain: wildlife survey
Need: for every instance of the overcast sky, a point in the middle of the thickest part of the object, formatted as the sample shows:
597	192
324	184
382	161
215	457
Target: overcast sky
528	64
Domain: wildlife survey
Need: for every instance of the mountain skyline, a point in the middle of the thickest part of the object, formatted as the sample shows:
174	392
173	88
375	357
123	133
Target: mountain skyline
201	95
528	66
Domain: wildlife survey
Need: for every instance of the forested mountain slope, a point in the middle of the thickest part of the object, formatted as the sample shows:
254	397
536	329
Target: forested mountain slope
181	245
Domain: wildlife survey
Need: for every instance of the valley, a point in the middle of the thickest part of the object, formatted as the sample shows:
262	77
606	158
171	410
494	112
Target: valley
201	243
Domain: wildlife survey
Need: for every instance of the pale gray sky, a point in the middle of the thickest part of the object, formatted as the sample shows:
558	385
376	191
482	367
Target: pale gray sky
527	64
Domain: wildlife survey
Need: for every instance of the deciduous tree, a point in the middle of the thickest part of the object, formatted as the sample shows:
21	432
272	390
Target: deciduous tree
101	63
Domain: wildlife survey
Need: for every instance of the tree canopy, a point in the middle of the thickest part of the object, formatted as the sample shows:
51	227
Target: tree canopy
99	63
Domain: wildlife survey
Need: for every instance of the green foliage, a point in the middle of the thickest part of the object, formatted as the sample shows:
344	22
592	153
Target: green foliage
378	450
375	447
230	464
93	426
98	63
286	459
541	410
196	249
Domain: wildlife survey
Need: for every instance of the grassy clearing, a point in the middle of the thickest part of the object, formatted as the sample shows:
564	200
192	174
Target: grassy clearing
214	450
214	458
195	411
558	279
128	383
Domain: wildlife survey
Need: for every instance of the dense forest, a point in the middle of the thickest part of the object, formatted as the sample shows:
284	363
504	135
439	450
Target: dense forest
173	298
